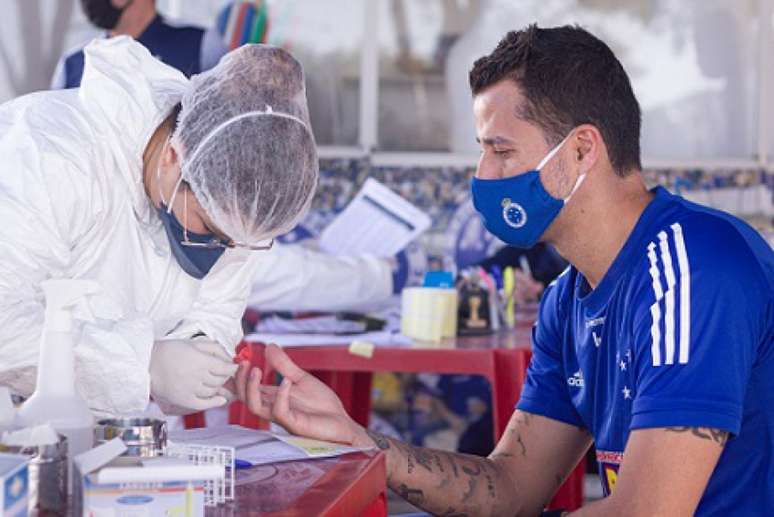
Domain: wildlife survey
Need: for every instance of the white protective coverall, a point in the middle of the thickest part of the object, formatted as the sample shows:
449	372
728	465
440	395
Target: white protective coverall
73	205
294	278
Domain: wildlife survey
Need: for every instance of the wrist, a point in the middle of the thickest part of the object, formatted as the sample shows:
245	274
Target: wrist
363	438
359	437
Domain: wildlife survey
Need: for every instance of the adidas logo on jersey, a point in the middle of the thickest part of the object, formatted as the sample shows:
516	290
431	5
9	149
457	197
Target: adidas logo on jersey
595	322
576	381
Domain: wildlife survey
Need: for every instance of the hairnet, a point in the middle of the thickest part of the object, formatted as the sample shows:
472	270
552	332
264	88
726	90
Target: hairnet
246	143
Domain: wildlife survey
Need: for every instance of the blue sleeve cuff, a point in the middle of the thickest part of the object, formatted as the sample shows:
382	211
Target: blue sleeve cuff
649	412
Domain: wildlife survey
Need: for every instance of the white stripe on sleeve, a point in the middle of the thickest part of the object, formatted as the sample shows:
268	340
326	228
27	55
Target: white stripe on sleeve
685	293
669	306
655	309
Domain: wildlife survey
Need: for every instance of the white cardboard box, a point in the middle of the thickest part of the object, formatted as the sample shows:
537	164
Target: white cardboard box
110	485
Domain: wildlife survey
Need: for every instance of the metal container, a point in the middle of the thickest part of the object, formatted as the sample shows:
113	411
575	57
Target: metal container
144	437
47	475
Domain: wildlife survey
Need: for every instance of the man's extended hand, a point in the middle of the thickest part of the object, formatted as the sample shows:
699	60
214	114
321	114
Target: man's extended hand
301	403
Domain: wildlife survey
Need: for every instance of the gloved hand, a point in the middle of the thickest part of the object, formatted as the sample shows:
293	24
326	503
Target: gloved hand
187	375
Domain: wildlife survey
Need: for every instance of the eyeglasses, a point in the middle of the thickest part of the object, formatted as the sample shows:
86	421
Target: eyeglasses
214	242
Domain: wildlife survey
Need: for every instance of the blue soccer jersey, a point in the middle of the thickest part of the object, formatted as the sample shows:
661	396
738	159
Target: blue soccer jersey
679	332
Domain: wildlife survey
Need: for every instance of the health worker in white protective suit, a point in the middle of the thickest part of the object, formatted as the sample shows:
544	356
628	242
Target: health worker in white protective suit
164	191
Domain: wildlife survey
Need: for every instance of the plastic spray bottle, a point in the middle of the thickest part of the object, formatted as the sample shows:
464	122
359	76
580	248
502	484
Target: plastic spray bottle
55	400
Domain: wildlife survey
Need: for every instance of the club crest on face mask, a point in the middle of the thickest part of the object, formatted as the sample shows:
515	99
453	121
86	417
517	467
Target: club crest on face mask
514	214
518	209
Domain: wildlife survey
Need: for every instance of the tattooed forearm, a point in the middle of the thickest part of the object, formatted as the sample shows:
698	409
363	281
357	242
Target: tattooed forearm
473	473
472	483
453	462
382	442
439	463
475	470
423	457
444	483
490	487
415	456
705	433
412	495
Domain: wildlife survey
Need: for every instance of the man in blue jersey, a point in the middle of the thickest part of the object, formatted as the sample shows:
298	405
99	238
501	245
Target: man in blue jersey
656	345
179	47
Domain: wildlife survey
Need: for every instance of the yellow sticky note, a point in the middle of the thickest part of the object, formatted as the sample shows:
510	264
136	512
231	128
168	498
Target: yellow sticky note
314	448
362	348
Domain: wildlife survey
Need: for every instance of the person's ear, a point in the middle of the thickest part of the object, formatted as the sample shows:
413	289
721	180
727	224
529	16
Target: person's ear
170	158
587	147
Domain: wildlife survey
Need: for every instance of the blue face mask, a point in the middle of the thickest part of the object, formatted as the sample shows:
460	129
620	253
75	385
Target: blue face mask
195	261
518	209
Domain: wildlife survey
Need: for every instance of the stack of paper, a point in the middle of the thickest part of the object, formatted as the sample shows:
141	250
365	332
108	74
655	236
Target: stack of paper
377	221
260	447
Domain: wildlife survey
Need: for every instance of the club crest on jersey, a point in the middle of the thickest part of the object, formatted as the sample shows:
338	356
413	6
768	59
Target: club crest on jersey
609	463
514	214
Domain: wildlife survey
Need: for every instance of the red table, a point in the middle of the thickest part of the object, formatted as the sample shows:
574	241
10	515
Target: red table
501	358
495	357
347	486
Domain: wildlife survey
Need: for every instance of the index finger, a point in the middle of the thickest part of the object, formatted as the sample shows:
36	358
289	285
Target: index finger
254	398
279	361
240	379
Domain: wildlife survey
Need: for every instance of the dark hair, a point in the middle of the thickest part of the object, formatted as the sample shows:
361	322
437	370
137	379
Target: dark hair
568	77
